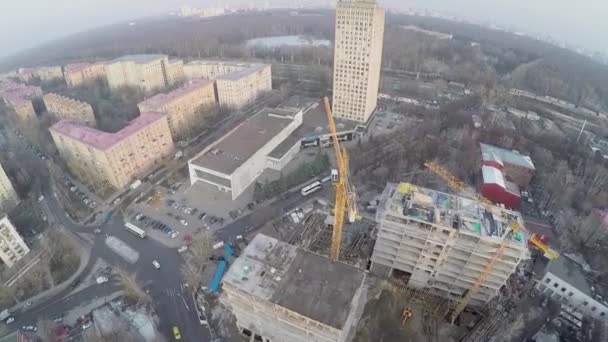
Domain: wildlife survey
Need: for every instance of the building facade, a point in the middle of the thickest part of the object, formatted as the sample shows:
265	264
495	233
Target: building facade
46	73
240	88
12	247
147	72
279	292
430	239
235	161
78	73
174	71
115	159
185	107
211	70
357	58
66	108
8	196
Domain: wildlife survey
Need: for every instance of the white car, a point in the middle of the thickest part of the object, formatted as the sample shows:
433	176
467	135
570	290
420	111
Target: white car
183	222
41	198
101	280
86	325
10	320
156	264
182	249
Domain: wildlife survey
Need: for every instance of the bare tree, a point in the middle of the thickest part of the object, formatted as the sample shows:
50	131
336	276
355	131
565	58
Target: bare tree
192	275
201	249
46	331
131	287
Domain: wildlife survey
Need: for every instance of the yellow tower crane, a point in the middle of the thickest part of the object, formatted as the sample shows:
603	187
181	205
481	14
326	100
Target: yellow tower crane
345	192
513	228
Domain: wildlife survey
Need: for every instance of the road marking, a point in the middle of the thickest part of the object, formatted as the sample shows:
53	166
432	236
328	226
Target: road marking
186	304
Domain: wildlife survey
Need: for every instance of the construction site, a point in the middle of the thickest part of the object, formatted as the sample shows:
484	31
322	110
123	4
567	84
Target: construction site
429	266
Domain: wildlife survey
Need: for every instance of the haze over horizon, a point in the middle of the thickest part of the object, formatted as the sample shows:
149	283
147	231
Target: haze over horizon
34	22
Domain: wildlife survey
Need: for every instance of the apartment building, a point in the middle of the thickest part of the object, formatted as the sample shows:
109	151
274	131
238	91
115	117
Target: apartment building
78	73
430	239
115	159
8	196
240	88
211	70
174	71
233	162
46	73
185	107
18	98
12	247
147	72
357	58
279	292
66	108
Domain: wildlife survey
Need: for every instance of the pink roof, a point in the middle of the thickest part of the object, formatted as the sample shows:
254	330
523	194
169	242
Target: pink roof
18	93
15	99
75	67
103	140
157	101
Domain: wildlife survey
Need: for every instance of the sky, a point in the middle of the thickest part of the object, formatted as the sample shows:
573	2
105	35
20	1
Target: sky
27	23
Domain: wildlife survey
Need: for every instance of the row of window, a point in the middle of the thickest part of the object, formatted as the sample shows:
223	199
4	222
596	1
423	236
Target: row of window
570	294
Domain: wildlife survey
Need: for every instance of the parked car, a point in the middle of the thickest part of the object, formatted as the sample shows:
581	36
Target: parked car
58	319
29	328
156	264
10	320
183	222
202	216
182	249
139	216
87	324
76	282
101	280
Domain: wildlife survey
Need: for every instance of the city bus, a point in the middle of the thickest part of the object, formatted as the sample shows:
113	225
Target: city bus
310	188
135	230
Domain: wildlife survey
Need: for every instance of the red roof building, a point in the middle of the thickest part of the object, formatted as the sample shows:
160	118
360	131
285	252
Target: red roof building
497	189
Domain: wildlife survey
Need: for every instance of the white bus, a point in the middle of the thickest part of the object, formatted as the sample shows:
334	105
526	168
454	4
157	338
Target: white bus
135	230
310	188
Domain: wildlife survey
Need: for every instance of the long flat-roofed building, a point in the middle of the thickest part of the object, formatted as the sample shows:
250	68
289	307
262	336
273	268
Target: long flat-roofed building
66	108
8	196
98	157
174	71
12	247
279	292
148	72
437	240
185	106
240	88
210	69
78	73
515	166
44	73
235	161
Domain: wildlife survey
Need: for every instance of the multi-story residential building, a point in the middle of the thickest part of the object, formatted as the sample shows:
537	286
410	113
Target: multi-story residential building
211	69
47	73
174	71
185	107
12	247
187	11
147	72
66	108
8	196
565	280
357	58
233	162
78	73
18	97
115	159
444	242
279	292
240	88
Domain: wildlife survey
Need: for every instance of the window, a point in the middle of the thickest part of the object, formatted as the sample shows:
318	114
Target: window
563	289
555	285
570	294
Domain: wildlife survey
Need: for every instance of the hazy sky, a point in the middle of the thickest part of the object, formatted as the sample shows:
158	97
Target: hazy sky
26	23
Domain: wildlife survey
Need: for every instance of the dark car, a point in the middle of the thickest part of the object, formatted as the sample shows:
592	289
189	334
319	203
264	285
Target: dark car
76	282
202	216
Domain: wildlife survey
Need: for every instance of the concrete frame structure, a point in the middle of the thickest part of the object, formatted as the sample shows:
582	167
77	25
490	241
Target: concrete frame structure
78	73
12	247
148	72
443	242
98	157
235	161
66	108
240	88
357	58
565	281
8	196
185	106
279	292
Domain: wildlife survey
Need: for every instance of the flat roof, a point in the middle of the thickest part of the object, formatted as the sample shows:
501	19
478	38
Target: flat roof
246	71
501	155
571	272
103	140
455	212
152	103
140	59
236	147
309	284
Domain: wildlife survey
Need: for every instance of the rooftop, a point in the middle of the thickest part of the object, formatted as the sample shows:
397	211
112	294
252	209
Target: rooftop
154	102
139	59
241	143
492	175
75	67
246	71
103	140
501	155
301	281
464	214
571	272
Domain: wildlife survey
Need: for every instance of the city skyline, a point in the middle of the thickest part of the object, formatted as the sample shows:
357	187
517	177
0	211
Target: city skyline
541	18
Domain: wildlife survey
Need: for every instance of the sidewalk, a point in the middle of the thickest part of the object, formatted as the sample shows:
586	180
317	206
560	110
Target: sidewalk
85	256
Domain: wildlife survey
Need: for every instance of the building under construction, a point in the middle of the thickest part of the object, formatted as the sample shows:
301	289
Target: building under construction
279	292
431	239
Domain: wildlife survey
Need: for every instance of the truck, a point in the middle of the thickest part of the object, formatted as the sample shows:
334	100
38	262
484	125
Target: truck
135	185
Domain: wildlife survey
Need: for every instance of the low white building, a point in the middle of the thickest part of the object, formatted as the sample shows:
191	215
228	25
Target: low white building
12	246
565	281
235	161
